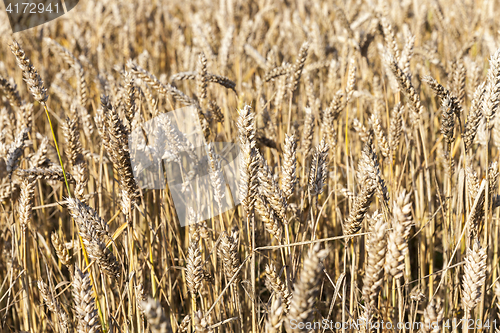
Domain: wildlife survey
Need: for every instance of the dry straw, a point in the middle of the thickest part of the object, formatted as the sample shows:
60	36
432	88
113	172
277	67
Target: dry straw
406	204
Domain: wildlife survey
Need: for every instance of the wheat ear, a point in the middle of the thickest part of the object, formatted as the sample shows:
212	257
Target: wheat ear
275	316
194	269
289	178
276	285
228	252
474	276
306	288
397	238
158	322
85	310
433	316
61	250
10	91
376	246
55	307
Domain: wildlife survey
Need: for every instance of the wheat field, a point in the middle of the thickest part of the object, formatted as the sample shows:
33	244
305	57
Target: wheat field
366	192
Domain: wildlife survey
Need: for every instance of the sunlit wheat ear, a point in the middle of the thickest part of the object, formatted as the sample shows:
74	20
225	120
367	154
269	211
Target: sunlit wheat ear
228	252
330	115
476	214
397	238
194	269
277	72
354	221
9	89
223	56
71	60
208	77
268	216
362	132
15	151
306	288
270	190
309	91
249	182
81	178
200	323
474	117
298	66
493	177
8	189
84	302
26	201
319	169
140	297
368	182
61	250
472	181
492	94
201	77
246	126
94	232
369	168
447	120
130	92
202	42
216	174
151	101
105	258
406	56
374	273
275	284
382	143
351	81
164	89
215	111
289	168
443	93
115	140
90	224
157	321
280	87
249	160
27	115
433	316
54	307
275	316
474	276
52	174
194	226
308	132
30	74
389	36
458	80
396	127
333	73
342	18
74	146
75	153
406	87
8	124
